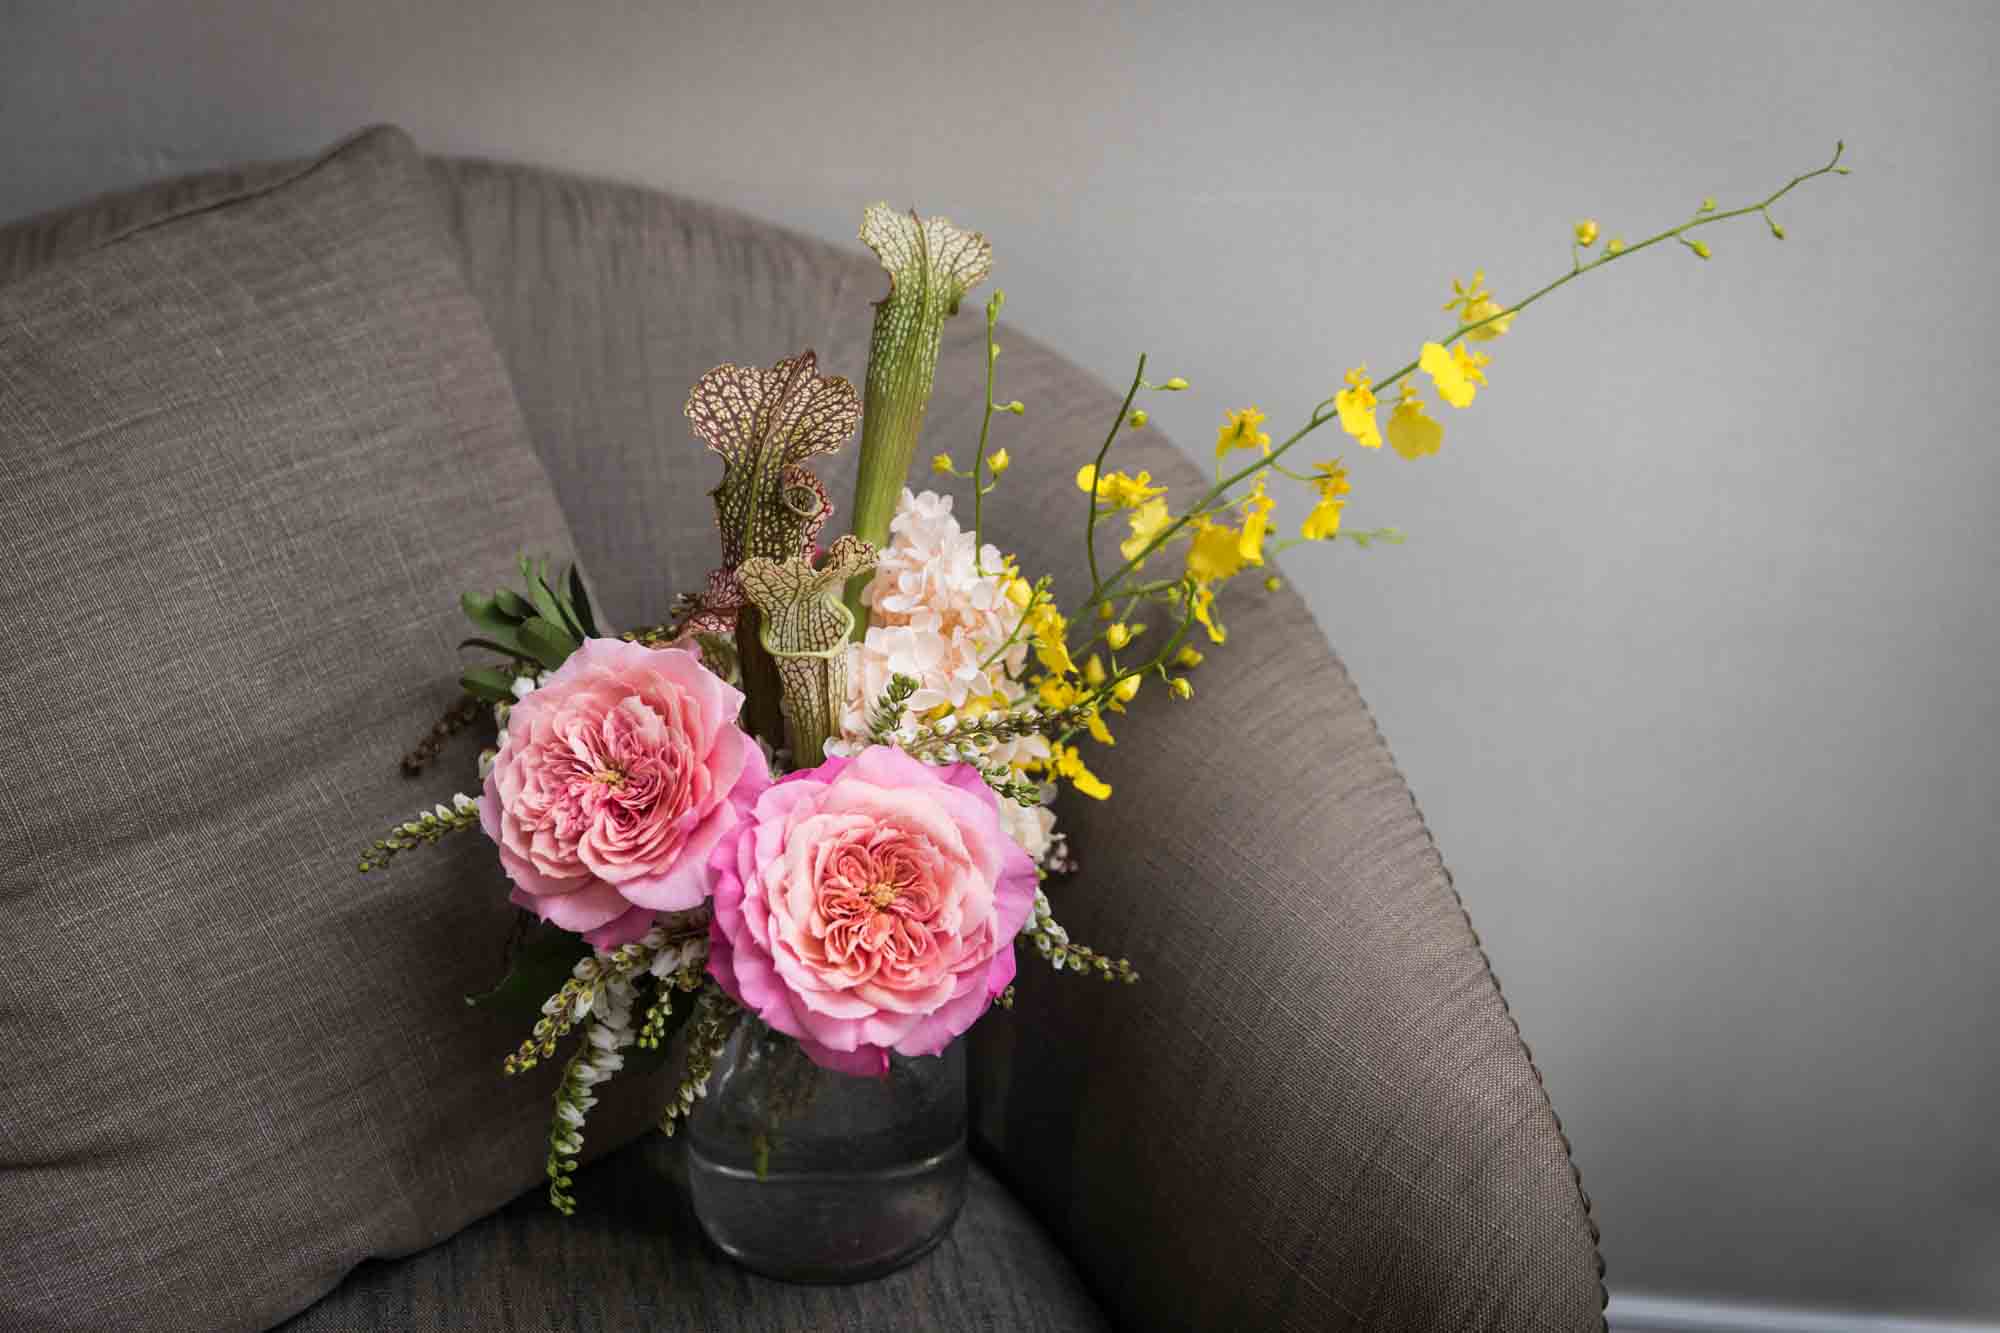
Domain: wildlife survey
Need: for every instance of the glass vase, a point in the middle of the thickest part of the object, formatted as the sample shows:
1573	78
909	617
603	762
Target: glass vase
808	1175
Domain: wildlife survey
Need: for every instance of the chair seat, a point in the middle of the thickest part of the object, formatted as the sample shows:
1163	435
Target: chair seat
633	1257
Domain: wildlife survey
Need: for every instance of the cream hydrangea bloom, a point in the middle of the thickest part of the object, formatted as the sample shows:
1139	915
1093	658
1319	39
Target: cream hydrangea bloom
935	617
1032	826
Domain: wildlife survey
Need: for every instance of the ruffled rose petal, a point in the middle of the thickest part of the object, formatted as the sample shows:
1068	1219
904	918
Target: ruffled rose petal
869	904
620	931
615	780
589	907
862	1062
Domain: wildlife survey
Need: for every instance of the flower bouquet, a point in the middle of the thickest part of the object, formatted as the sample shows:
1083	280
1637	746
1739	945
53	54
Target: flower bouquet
802	832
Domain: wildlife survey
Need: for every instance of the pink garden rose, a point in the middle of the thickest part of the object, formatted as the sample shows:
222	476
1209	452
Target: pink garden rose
613	783
869	905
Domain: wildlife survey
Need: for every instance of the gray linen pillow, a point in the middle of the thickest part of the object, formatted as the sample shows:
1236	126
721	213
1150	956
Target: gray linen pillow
252	445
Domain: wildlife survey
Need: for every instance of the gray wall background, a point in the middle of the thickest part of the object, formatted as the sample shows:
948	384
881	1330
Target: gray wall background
1691	655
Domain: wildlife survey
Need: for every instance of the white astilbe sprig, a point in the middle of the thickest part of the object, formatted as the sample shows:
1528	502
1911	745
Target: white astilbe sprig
425	829
716	1016
676	954
586	991
679	968
598	1003
1057	859
607	1031
524	685
1054	944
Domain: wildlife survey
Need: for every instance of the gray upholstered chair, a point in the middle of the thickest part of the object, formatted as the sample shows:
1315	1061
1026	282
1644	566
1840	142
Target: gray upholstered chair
1315	1111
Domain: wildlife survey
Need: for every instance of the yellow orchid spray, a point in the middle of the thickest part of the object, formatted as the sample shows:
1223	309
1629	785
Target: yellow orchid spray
1091	657
1231	526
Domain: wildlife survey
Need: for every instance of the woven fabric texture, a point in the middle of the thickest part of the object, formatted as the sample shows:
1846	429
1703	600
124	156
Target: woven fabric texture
27	244
254	437
633	1258
1315	1111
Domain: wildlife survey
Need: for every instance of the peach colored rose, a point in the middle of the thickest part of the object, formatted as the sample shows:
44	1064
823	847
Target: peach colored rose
613	782
869	905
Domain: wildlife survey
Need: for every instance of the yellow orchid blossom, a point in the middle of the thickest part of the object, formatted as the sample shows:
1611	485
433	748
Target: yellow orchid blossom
1054	693
1116	488
980	705
1066	761
1203	605
1240	431
1098	731
1474	303
1456	373
1256	522
1215	551
1051	633
1331	484
1356	405
1148	521
1331	481
1411	433
1322	521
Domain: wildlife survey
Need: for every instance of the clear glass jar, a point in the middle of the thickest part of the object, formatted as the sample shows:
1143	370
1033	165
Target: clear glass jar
807	1175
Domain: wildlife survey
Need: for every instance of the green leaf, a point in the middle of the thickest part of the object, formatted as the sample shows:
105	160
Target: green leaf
547	642
483	613
512	604
488	683
565	613
489	645
559	590
540	965
545	601
580	599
